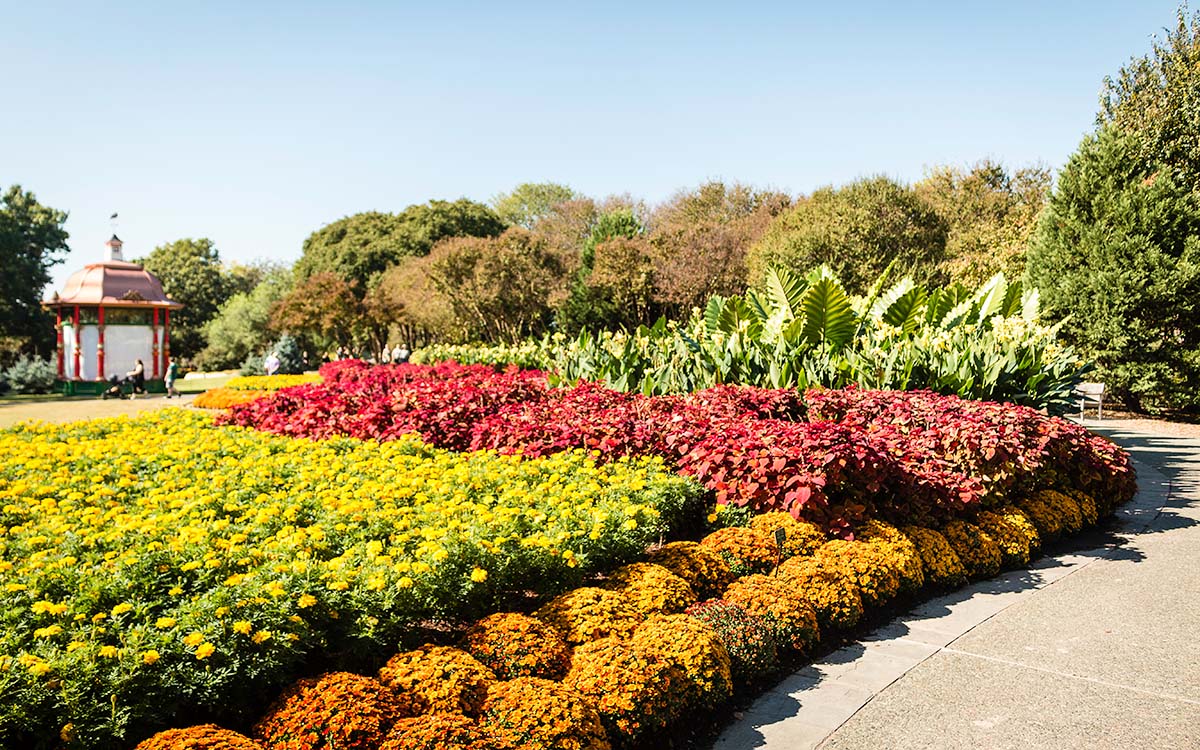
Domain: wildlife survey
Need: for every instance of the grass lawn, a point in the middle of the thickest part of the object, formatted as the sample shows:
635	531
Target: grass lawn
199	385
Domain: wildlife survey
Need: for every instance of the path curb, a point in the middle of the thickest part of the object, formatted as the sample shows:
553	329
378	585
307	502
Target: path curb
806	707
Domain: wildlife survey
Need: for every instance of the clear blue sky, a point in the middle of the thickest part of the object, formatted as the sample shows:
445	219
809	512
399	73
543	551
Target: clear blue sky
254	123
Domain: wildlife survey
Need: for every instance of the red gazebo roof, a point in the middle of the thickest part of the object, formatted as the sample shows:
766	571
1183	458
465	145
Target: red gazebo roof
113	283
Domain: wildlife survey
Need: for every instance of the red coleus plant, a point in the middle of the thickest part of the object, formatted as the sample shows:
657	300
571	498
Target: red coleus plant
829	456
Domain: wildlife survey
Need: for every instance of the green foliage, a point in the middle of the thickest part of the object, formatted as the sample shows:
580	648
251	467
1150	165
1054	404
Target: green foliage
856	230
291	358
990	215
1155	101
190	271
806	331
589	305
361	247
530	202
1118	250
32	241
528	355
241	325
30	375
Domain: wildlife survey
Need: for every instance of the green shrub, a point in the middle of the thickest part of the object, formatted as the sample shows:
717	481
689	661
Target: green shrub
1117	251
30	375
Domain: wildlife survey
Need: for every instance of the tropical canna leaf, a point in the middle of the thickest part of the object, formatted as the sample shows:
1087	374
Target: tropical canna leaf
888	298
907	311
785	291
755	301
712	313
989	299
1031	305
828	316
1012	300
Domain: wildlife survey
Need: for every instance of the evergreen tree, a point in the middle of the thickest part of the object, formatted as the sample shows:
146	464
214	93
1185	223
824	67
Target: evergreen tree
1118	250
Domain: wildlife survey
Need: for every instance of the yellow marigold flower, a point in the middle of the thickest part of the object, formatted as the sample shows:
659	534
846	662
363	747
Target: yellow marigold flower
175	591
38	669
108	652
261	636
99	616
242	626
222	611
478	575
194	639
306	601
338	585
164	622
47	632
205	650
75	646
149	657
405	582
275	588
121	608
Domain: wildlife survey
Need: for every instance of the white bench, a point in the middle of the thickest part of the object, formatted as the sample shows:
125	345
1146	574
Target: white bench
1090	393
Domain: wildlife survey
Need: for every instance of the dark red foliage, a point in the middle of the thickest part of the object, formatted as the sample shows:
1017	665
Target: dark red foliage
903	456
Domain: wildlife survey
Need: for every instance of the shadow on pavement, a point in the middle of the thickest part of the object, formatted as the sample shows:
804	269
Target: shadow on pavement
1156	510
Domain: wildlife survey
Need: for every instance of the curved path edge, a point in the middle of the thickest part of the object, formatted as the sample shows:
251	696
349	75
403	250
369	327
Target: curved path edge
806	707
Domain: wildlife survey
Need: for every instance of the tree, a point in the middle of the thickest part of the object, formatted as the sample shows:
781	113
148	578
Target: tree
1117	250
324	307
191	273
530	202
857	230
418	314
500	289
1155	102
588	306
361	247
32	241
700	239
242	325
989	215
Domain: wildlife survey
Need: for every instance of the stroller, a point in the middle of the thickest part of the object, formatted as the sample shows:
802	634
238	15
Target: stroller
116	388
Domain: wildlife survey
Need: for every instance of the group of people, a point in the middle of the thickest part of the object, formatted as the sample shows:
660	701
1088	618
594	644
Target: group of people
137	379
398	354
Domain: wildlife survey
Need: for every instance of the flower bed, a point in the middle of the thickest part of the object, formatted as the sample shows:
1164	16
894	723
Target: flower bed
907	457
270	382
224	398
190	582
180	567
636	680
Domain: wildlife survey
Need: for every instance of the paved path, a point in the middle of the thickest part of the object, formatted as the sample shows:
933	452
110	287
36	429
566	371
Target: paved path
67	410
1092	648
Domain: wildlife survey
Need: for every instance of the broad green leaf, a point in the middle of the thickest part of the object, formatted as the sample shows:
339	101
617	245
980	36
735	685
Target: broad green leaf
785	291
828	317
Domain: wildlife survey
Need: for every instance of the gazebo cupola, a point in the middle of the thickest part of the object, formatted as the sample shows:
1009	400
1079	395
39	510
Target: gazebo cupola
109	315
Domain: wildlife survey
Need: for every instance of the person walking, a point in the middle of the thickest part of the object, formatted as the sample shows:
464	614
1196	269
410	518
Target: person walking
138	377
400	354
171	376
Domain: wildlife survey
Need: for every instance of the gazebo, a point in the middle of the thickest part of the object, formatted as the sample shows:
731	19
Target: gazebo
108	316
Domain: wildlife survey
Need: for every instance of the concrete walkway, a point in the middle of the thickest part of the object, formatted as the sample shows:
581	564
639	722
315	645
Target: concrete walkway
1095	647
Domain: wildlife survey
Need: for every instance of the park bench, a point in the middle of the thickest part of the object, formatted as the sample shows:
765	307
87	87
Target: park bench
1090	393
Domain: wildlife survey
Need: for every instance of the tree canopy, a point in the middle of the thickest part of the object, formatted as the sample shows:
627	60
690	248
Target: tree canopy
360	248
32	241
500	289
1118	252
242	324
989	214
1155	101
529	202
857	230
190	271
